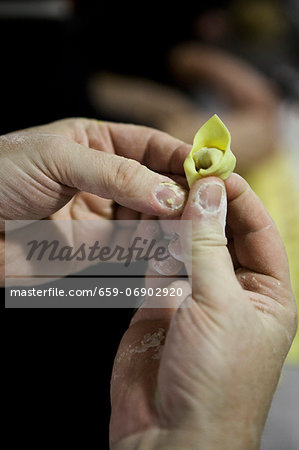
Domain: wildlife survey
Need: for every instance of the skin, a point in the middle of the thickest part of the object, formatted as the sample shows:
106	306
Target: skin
221	357
86	169
221	360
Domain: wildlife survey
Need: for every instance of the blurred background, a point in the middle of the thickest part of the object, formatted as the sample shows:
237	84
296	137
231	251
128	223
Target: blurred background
170	66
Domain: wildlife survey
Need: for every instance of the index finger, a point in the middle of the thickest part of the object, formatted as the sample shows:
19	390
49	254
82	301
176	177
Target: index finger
155	149
258	245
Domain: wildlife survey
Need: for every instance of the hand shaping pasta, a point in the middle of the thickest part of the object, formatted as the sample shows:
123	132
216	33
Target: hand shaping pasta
86	169
211	384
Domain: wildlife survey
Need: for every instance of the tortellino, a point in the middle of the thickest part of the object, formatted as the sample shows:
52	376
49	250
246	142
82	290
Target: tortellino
211	154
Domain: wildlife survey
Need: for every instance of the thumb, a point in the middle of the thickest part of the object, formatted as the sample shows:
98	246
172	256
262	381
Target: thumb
212	269
123	180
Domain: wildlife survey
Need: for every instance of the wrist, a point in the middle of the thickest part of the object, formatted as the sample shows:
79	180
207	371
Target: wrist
211	438
158	439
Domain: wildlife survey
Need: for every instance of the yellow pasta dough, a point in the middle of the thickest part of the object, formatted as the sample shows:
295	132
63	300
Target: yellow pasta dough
211	154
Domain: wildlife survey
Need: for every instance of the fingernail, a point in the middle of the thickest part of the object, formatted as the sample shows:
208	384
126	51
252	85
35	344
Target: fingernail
171	195
212	203
210	197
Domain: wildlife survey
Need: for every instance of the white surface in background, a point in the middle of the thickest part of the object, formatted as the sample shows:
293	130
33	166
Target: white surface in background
282	427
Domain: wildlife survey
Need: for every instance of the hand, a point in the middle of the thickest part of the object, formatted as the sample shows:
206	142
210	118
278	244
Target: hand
203	377
79	168
237	80
139	99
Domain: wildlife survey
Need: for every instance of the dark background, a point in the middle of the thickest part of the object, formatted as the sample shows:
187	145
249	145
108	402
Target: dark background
46	62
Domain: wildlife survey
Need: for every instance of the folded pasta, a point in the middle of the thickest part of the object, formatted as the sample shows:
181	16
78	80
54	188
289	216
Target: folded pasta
211	154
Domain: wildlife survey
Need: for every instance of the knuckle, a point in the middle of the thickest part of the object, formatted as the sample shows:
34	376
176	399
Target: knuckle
126	174
74	122
48	141
203	239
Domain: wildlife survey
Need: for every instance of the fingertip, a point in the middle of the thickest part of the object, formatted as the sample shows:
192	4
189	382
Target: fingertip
235	185
207	202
